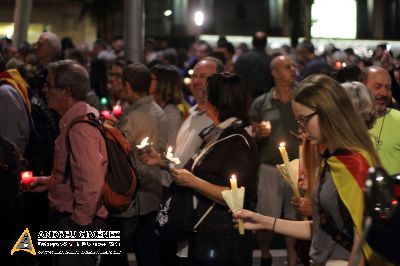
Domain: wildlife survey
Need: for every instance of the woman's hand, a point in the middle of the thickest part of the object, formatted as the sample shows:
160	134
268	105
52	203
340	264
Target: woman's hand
251	220
302	206
149	156
111	122
183	177
261	130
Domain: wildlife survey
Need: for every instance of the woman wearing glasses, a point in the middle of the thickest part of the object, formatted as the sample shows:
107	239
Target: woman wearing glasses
328	119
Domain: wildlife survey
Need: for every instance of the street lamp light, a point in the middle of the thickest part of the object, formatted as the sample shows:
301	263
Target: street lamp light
198	18
168	12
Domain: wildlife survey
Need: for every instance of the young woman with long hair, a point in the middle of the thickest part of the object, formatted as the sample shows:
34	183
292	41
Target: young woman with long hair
328	119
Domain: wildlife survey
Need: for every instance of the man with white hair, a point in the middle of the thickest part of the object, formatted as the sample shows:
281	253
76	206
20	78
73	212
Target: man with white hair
47	48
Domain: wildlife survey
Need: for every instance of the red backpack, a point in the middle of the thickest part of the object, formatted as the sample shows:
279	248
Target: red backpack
121	181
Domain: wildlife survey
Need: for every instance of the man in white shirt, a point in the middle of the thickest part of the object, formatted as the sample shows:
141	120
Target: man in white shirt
188	140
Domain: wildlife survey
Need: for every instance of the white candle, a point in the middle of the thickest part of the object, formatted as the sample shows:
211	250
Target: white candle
284	155
234	188
233	182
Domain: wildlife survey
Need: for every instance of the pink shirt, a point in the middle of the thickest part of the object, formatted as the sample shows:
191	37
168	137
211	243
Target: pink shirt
82	198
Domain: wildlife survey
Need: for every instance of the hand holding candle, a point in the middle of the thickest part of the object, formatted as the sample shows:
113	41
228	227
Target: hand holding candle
289	170
235	198
170	156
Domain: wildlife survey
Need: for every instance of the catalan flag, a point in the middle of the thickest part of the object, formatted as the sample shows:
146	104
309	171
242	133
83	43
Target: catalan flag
349	172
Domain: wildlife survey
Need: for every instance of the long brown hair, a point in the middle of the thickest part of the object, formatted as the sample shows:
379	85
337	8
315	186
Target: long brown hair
338	120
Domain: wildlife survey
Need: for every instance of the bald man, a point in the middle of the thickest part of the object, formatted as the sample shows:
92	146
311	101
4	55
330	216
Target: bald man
272	121
386	129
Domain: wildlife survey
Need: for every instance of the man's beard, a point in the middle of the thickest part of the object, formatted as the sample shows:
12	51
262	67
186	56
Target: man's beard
381	110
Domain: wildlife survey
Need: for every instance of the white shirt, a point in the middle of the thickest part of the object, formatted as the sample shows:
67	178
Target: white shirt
188	141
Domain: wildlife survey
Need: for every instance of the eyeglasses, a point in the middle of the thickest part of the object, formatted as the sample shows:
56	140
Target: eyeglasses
302	121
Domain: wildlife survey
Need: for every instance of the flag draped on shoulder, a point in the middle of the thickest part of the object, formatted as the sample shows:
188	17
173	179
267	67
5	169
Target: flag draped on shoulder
349	172
15	80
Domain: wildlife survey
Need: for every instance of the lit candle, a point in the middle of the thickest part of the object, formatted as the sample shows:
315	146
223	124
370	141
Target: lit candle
117	110
170	156
106	114
27	178
284	155
144	143
235	196
233	182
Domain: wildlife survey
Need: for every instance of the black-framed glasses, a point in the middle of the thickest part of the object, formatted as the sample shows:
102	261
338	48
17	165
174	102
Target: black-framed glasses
302	121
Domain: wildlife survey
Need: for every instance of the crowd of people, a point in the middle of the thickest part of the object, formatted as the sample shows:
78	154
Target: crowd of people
224	110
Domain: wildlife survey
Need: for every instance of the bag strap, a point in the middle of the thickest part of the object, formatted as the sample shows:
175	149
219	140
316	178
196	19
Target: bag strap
203	216
90	119
204	151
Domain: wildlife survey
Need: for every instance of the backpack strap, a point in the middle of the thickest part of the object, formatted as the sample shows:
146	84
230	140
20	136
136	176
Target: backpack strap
90	119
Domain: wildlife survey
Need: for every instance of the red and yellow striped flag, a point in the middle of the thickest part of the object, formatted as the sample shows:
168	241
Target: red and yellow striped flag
349	172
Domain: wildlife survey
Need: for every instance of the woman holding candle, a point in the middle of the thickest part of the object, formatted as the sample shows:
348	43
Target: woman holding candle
227	149
327	117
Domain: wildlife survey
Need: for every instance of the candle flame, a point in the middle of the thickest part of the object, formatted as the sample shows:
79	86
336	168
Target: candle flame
169	149
233	176
144	143
282	144
26	174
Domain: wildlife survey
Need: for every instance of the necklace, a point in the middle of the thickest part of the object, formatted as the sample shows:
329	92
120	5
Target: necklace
379	143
